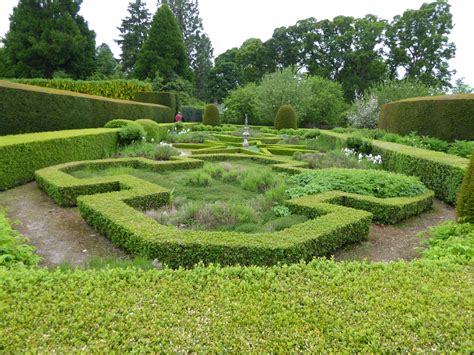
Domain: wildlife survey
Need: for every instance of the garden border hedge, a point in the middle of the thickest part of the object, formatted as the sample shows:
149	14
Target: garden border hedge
111	204
21	155
27	108
439	171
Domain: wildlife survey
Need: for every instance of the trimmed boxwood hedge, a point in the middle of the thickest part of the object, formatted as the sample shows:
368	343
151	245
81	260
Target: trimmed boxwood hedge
440	172
116	214
321	307
167	99
446	117
27	108
21	155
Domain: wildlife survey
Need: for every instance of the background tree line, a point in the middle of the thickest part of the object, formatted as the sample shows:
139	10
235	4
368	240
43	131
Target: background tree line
49	38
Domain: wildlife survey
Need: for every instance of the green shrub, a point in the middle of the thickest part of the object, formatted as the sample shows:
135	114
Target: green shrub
199	178
453	241
114	89
165	152
26	108
131	134
465	202
260	182
192	113
360	145
321	307
285	117
311	134
446	117
211	116
333	159
14	250
462	148
139	149
152	129
21	155
167	99
118	123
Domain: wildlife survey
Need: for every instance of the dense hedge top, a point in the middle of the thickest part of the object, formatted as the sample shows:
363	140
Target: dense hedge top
48	136
17	86
115	89
323	306
440	98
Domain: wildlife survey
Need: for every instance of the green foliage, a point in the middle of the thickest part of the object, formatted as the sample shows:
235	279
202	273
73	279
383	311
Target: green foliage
118	123
106	65
465	202
440	172
152	129
163	52
461	148
49	36
445	117
14	250
114	89
130	134
375	308
133	32
333	159
360	145
240	102
32	109
419	43
165	152
167	99
192	113
211	115
285	117
199	178
21	155
140	149
376	183
451	241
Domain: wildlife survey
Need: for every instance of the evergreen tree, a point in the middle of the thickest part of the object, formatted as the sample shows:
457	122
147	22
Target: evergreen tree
133	33
47	36
203	67
106	64
163	52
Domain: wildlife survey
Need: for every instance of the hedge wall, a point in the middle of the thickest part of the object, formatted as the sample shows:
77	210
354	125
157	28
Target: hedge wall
110	204
21	155
26	108
167	99
440	172
114	89
447	117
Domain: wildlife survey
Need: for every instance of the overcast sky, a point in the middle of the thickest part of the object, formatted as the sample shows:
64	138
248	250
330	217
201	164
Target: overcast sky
230	22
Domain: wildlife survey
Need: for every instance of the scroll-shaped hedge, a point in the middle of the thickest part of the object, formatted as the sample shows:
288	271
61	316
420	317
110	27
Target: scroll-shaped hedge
112	205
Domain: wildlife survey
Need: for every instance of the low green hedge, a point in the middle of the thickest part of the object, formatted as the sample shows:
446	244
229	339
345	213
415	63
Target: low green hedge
110	204
21	155
27	108
446	117
440	172
320	307
113	89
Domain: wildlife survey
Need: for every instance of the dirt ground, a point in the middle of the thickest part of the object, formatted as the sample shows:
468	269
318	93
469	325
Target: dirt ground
397	242
60	235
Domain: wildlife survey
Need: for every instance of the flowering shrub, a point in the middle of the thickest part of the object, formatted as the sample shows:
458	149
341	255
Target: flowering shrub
365	112
375	159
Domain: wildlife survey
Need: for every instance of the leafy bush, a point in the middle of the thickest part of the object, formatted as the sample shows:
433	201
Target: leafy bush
199	178
28	108
333	159
363	146
259	181
118	123
364	112
446	117
167	99
192	113
14	250
312	134
21	155
114	89
152	130
285	117
376	183
465	202
139	149
461	148
131	134
240	102
165	152
453	241
211	116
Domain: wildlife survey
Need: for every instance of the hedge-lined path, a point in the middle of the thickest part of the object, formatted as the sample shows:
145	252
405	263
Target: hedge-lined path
60	235
397	242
